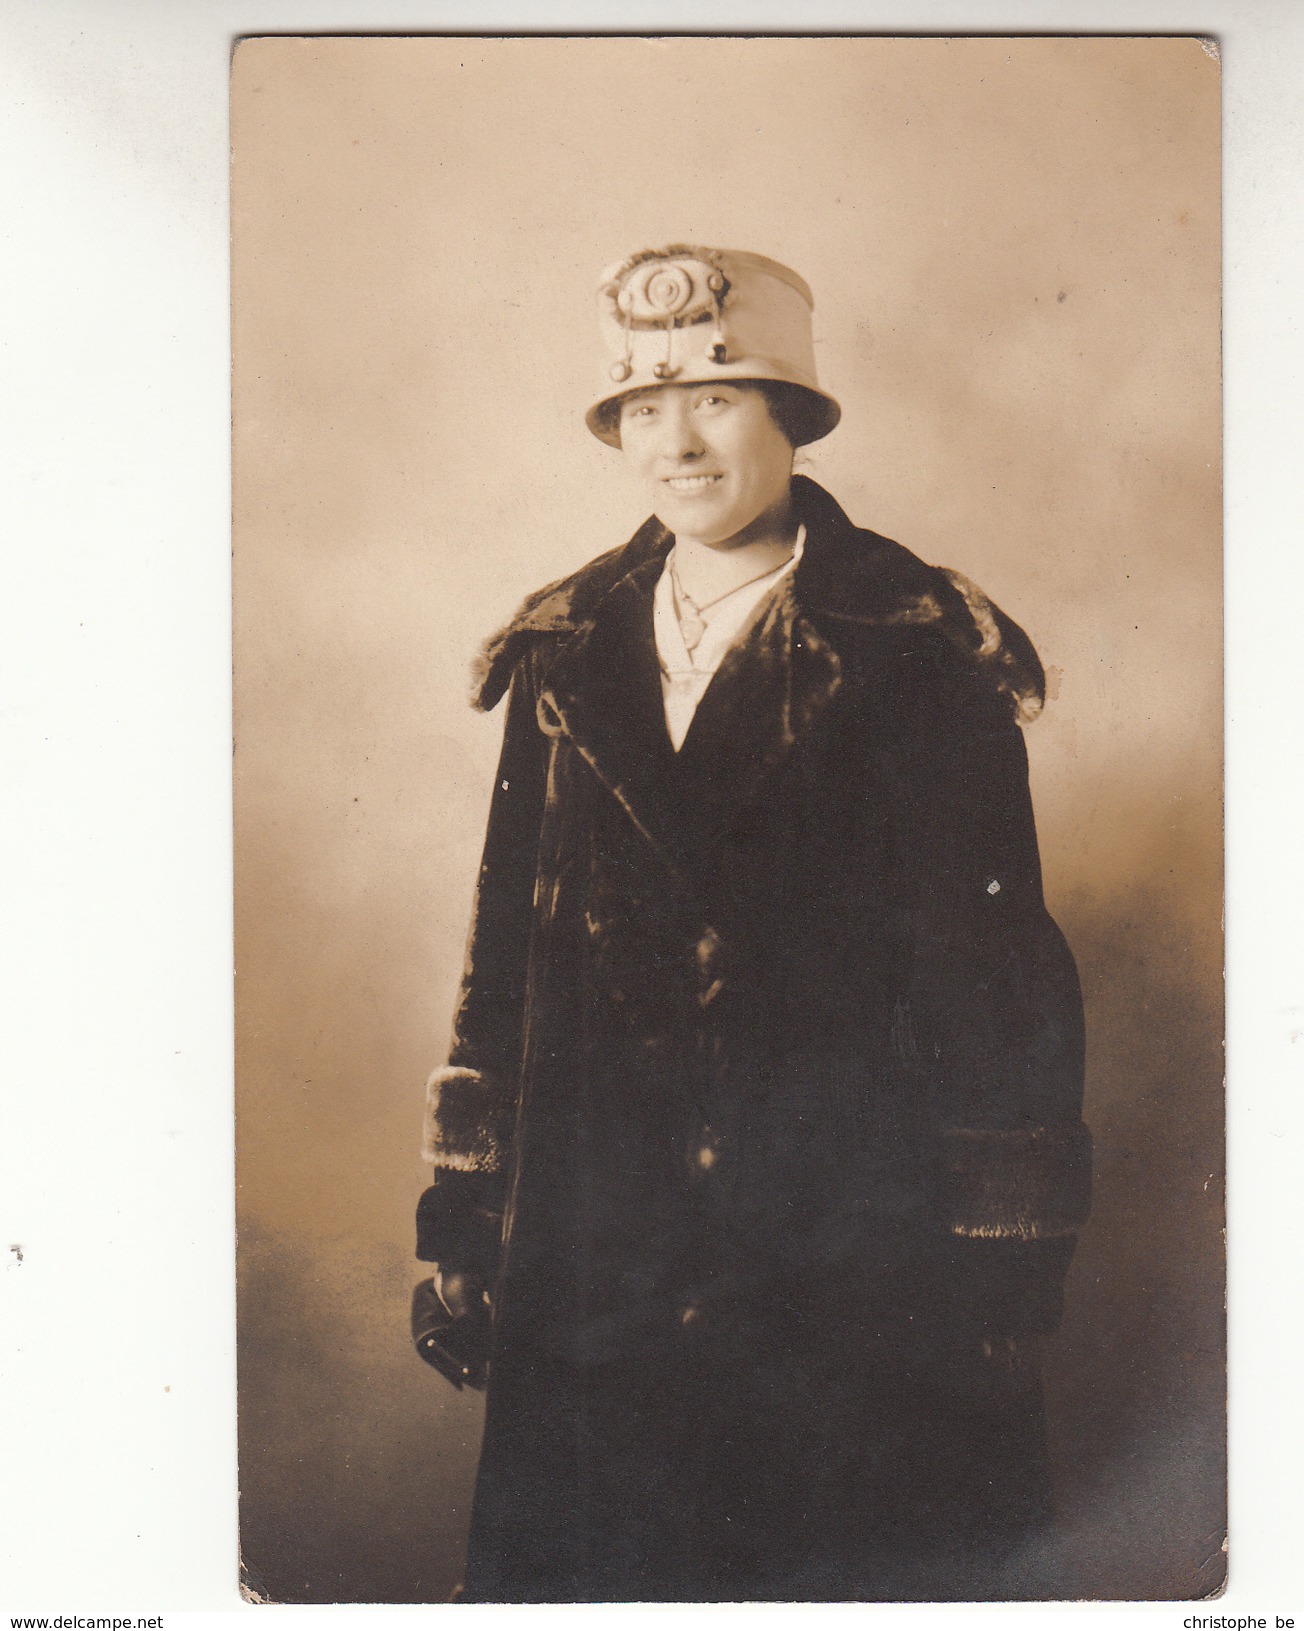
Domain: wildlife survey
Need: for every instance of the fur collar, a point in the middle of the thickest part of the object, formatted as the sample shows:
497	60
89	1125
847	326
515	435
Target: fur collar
846	574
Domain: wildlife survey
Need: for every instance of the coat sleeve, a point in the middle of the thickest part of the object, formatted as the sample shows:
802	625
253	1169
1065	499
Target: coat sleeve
1005	1023
471	1100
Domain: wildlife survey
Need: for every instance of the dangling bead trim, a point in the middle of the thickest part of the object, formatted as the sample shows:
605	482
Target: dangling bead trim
625	367
665	370
717	351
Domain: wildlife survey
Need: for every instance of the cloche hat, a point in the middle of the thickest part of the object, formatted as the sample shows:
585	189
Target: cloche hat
686	314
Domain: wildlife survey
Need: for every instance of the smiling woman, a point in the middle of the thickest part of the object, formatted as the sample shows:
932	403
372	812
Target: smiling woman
716	466
760	1129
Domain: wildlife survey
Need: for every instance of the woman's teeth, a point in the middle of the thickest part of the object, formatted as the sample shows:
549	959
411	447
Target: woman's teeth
690	484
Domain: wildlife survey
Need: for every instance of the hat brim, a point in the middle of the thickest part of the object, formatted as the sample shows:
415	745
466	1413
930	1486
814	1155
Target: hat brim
808	415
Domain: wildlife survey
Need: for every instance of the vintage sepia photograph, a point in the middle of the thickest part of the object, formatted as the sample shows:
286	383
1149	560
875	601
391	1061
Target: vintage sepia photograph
728	819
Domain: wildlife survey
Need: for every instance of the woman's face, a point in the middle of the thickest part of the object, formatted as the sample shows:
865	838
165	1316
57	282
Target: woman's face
710	455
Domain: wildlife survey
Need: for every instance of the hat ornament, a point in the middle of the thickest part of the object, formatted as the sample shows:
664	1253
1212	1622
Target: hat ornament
659	292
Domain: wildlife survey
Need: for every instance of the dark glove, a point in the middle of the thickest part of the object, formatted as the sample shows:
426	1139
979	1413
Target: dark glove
454	1339
459	1228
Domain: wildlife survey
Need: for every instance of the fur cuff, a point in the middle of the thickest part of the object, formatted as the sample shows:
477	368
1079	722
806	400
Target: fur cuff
1033	1185
464	1115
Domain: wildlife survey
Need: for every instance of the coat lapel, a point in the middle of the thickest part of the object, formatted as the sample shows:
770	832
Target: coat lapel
603	685
604	689
766	696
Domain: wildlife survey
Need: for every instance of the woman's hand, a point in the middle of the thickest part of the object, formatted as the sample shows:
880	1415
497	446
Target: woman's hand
451	1326
461	1294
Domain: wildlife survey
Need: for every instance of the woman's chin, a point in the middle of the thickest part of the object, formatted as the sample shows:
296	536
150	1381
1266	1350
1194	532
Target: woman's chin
707	523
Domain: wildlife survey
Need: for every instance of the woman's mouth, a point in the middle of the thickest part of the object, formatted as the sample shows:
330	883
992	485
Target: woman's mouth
690	484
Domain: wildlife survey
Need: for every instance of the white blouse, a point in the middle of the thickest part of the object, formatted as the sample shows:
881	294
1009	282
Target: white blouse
686	674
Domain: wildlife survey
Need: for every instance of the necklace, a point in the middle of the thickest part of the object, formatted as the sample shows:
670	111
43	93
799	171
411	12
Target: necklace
693	626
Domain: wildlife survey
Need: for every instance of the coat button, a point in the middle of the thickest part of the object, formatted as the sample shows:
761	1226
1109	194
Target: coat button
708	964
704	1153
690	1316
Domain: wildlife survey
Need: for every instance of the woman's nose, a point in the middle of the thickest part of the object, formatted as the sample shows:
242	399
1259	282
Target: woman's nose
680	437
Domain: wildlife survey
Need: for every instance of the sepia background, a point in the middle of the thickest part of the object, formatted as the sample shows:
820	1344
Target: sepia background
1014	250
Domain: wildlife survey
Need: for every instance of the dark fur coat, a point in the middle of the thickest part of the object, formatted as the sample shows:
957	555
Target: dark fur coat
771	1056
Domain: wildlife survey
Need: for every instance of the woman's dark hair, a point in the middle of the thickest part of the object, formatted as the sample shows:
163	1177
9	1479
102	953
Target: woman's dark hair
798	413
791	409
